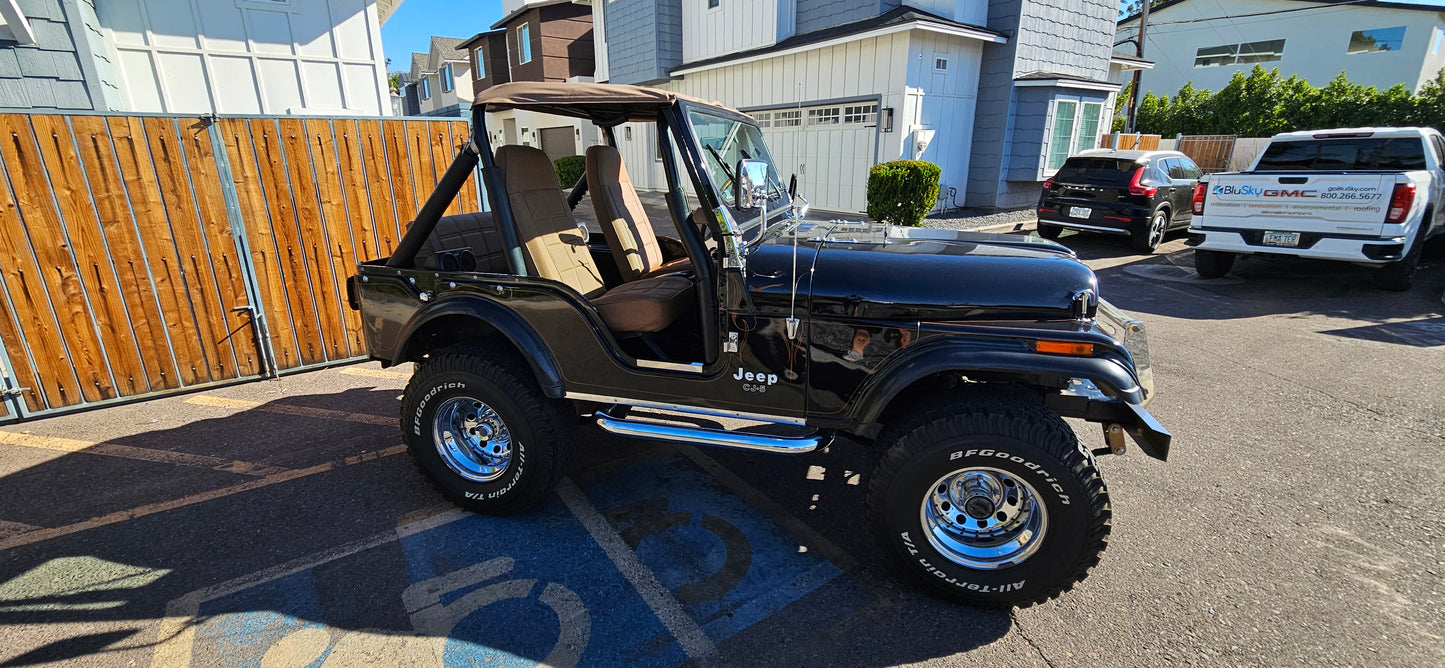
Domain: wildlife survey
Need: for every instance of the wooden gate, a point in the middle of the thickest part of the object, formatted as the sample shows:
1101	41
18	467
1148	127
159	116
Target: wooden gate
144	255
1210	152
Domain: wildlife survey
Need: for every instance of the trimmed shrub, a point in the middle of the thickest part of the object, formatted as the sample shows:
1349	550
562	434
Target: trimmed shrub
903	191
569	169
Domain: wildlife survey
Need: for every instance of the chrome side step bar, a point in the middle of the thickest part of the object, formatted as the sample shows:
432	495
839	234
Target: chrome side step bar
705	436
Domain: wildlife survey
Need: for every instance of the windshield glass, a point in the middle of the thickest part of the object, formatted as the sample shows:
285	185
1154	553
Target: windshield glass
1337	155
724	141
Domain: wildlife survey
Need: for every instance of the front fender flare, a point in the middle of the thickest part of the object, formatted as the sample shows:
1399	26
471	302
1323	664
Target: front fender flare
505	321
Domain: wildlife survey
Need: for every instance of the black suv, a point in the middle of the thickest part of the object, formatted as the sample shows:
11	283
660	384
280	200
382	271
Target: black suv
956	356
1143	194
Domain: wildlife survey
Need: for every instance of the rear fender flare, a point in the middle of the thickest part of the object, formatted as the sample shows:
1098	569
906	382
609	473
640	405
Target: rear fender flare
506	322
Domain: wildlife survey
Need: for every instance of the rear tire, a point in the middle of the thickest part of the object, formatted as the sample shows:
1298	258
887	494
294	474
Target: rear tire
1212	264
1049	231
481	431
1147	238
993	502
1398	276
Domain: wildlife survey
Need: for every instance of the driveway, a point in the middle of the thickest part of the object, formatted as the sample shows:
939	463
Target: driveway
281	523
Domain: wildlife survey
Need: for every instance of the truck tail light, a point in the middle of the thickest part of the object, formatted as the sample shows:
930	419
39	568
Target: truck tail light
1198	204
1400	202
1138	189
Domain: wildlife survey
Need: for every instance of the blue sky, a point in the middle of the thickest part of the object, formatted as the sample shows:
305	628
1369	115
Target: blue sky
411	27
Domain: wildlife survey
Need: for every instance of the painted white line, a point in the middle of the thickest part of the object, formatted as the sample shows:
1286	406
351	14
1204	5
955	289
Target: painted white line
689	635
39	535
374	373
288	409
141	454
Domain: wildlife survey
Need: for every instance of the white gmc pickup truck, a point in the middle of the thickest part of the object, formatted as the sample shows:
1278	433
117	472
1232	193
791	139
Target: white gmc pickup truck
1364	195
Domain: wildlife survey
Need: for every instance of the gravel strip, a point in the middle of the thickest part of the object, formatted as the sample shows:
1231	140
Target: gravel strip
972	219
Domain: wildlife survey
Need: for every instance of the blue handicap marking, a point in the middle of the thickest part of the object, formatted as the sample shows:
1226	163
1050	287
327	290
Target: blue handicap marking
726	562
483	591
468	590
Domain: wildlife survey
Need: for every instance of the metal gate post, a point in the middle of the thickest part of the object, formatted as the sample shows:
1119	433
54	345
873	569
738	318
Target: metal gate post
12	407
255	308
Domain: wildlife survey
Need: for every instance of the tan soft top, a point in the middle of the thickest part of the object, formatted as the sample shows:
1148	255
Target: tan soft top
604	104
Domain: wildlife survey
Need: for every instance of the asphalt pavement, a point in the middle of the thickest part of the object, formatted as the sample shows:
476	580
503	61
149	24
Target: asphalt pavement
280	523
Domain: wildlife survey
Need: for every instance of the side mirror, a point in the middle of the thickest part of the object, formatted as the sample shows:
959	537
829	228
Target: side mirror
793	186
750	185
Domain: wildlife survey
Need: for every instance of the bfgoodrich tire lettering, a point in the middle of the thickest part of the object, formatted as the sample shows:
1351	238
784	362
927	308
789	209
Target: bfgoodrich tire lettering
1015	438
529	433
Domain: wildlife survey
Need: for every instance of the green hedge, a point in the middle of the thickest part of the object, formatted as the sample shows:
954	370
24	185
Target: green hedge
903	191
569	169
1265	103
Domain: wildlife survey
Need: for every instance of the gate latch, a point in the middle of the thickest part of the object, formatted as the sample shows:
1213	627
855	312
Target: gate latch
13	391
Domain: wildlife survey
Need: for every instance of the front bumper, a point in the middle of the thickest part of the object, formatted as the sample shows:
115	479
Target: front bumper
1083	399
1345	248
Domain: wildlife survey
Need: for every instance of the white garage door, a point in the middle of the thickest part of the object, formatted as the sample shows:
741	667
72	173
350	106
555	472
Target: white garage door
830	148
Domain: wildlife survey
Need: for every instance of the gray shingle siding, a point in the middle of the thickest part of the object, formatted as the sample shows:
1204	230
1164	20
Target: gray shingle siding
644	39
49	74
819	14
1071	37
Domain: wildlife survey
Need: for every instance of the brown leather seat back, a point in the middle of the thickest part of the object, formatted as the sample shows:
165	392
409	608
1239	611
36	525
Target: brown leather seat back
624	222
556	249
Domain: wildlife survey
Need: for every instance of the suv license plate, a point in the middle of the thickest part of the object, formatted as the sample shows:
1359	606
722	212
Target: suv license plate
1080	211
1290	239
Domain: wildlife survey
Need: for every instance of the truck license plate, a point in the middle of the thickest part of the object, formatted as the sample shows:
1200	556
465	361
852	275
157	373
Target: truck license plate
1290	239
1079	211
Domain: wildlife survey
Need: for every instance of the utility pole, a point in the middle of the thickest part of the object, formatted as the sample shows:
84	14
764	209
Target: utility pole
1134	87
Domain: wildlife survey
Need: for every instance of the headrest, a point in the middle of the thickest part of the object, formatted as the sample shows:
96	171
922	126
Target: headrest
526	168
604	160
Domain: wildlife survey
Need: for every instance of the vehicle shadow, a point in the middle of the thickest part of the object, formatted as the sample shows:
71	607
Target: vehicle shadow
1257	285
233	538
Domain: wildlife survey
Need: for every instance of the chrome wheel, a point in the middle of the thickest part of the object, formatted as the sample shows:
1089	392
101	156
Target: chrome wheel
984	518
472	439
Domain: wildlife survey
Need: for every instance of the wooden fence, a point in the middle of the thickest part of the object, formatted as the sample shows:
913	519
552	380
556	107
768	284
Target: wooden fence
141	255
1130	142
1210	152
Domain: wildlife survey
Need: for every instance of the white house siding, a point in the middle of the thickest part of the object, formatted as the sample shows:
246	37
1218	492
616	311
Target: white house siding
734	25
247	56
1315	43
943	101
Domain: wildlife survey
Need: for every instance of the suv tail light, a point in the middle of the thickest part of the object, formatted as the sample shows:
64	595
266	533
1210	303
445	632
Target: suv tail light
1198	204
1400	202
1139	189
1049	182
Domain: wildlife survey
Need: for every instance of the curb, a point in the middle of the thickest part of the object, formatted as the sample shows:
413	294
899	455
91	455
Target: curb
1001	227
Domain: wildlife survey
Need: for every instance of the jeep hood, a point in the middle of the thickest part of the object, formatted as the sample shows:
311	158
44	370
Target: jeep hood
870	270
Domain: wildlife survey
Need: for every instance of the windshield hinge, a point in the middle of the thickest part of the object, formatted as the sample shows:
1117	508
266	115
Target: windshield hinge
731	346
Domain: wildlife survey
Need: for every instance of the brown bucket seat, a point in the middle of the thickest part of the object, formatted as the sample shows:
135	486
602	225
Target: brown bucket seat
556	249
624	222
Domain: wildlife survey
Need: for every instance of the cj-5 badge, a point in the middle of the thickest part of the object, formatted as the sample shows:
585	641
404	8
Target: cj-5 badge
755	381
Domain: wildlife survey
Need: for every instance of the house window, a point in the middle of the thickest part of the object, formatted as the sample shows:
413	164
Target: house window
478	66
787	119
828	116
446	76
1374	41
1435	42
940	64
524	43
1242	54
866	114
714	4
426	88
764	119
1088	135
1061	135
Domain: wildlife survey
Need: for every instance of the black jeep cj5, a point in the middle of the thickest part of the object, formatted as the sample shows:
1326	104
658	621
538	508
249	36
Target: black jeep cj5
955	355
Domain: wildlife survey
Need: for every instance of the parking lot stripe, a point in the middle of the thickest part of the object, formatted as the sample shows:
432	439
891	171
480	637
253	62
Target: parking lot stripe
374	373
689	635
288	409
141	454
40	535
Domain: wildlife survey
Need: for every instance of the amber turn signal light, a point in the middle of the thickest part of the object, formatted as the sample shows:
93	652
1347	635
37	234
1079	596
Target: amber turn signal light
1064	348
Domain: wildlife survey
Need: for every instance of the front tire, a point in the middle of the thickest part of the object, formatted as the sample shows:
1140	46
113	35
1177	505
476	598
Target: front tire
1212	264
994	503
482	432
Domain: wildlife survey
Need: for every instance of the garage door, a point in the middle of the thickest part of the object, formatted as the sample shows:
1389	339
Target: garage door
559	142
830	148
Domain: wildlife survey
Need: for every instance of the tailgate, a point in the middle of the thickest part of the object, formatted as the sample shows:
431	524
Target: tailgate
1299	202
